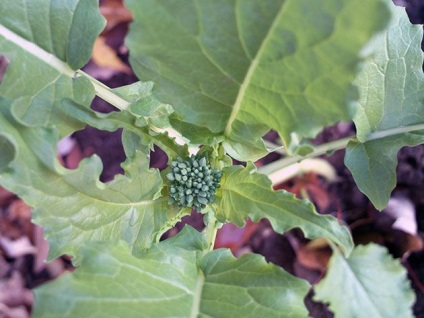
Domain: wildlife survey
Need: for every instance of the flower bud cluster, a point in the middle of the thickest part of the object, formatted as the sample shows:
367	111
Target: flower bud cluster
193	182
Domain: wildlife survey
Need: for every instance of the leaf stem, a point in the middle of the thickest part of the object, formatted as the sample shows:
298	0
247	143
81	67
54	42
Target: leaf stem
394	131
195	309
105	92
62	67
318	151
281	168
211	229
37	51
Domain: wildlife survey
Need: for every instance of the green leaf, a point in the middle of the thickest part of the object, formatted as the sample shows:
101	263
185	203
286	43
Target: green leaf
196	135
130	122
249	287
373	164
167	282
45	42
148	110
370	283
112	281
239	68
391	108
67	30
73	206
245	193
188	238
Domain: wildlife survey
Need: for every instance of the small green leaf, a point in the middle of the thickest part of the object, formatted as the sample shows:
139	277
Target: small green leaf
127	120
144	106
373	165
370	283
248	150
245	193
165	281
189	239
196	135
391	86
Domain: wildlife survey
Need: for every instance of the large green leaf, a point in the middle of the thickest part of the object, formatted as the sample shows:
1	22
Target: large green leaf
73	206
244	194
392	94
46	41
370	283
167	281
239	68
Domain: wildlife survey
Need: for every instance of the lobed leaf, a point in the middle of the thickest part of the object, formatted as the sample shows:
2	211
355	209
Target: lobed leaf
240	68
167	281
370	282
244	194
391	86
73	206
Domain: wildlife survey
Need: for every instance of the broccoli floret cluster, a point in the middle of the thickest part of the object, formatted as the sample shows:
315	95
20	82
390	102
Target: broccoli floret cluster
193	182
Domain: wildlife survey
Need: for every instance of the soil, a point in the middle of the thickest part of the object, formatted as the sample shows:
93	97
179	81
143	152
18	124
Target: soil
22	248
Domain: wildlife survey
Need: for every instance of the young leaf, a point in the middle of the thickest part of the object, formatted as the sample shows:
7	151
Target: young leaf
392	92
130	122
244	194
46	42
239	68
148	110
167	282
370	283
73	206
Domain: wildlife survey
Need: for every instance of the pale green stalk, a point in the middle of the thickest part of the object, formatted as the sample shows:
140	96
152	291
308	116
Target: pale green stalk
211	229
282	170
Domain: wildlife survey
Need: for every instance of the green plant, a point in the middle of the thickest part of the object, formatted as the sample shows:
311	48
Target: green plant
224	72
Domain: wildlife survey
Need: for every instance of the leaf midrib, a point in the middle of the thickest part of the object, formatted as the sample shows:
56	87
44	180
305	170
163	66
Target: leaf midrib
197	293
62	67
250	72
350	272
38	52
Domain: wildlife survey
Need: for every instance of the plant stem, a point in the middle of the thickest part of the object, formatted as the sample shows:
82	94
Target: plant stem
211	229
319	150
394	131
102	90
105	93
277	166
36	51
